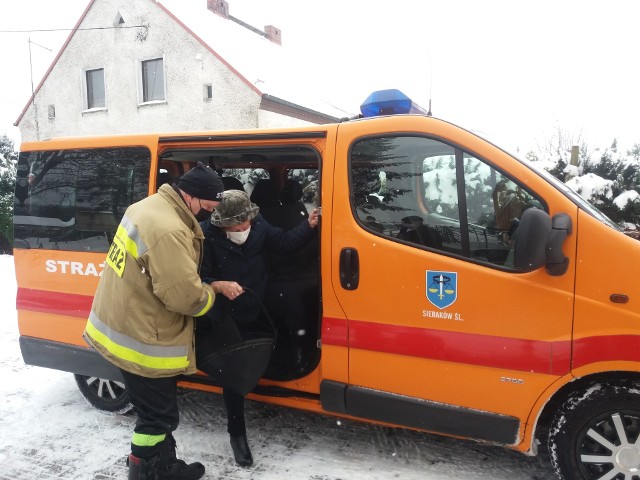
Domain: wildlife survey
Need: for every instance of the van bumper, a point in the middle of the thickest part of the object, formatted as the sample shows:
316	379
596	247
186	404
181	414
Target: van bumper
68	358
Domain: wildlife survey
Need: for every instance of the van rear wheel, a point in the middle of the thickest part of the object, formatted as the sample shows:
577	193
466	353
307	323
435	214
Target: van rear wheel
596	434
104	394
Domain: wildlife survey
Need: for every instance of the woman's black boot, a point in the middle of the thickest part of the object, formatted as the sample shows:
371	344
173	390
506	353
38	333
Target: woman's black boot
241	450
234	403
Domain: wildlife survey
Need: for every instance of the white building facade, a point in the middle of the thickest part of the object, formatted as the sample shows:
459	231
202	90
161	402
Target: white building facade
135	66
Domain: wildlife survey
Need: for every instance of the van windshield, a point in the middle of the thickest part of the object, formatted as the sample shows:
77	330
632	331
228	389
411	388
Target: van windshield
574	197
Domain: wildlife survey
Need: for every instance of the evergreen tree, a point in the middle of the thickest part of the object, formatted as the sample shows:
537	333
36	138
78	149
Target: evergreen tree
622	171
8	162
559	171
631	212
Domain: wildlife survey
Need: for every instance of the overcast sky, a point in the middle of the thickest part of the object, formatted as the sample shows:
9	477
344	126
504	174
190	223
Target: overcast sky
514	72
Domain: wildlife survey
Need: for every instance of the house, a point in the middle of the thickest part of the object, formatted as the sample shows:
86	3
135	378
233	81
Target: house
137	66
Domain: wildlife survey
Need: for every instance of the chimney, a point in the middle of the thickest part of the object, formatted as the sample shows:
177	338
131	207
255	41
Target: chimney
273	34
221	7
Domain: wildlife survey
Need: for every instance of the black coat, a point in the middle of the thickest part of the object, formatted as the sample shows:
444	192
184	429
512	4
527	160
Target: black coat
245	264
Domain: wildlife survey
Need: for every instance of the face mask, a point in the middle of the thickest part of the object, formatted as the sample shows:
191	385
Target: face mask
239	237
202	214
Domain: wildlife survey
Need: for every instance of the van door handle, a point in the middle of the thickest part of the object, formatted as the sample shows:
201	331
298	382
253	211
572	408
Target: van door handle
349	268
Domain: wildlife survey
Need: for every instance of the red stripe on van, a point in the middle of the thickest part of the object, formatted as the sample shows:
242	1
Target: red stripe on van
497	352
57	303
335	332
606	348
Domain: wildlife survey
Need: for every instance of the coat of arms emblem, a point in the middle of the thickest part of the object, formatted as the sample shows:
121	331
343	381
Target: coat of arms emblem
442	288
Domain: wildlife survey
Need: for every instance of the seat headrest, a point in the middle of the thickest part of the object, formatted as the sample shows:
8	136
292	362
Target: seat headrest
163	177
263	192
291	191
232	183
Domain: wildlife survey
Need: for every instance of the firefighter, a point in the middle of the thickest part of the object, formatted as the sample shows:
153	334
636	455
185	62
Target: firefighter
142	315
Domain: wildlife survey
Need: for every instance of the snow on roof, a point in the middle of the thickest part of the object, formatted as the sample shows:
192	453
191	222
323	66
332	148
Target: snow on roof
265	65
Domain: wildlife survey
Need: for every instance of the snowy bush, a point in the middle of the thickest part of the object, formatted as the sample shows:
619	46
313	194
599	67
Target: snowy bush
608	179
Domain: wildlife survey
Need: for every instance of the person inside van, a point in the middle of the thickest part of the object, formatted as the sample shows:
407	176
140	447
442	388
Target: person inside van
371	222
415	231
234	263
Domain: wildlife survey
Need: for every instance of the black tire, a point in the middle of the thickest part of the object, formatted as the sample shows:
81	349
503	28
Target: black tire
594	436
107	395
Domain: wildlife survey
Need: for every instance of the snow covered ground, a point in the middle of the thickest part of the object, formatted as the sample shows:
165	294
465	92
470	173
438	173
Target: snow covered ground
48	431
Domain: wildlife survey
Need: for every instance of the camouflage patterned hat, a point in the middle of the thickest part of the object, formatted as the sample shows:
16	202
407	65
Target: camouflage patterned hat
235	208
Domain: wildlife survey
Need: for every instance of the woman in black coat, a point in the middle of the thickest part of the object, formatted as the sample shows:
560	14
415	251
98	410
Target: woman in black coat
235	240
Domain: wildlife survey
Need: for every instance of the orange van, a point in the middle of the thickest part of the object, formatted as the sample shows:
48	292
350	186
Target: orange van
453	289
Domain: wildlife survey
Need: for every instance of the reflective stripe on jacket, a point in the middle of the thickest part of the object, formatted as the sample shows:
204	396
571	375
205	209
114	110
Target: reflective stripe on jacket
141	318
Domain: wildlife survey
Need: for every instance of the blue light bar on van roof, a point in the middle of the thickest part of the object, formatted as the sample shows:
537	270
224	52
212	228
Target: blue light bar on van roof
389	102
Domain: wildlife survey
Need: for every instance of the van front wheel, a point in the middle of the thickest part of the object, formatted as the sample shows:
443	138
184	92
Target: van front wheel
596	434
104	394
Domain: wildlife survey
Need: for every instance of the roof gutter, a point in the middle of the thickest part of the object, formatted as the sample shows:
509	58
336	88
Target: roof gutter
273	104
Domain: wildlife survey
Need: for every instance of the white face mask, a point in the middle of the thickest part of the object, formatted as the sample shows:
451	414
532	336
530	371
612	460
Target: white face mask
239	237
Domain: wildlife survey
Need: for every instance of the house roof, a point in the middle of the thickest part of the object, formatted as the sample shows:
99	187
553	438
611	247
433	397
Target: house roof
267	67
263	65
53	64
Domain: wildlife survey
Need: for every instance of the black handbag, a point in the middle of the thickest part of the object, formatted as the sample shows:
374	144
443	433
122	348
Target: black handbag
232	361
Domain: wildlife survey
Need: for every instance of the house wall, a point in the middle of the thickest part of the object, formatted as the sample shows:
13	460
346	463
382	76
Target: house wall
268	119
188	67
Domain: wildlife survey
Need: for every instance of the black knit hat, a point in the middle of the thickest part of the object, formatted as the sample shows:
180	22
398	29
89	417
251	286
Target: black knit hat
201	182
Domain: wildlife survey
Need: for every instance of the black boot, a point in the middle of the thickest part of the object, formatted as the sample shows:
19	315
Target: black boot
163	467
241	450
179	470
234	403
140	469
169	467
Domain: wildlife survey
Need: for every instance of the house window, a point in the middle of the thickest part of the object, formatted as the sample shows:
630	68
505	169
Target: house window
153	80
95	88
208	91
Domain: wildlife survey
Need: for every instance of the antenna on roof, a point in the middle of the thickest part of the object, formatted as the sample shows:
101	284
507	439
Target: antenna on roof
33	94
430	80
30	61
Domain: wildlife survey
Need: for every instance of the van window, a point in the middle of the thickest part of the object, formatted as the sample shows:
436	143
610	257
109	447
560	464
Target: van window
409	189
75	199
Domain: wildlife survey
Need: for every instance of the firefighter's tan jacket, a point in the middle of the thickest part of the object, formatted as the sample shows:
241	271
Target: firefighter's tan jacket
142	314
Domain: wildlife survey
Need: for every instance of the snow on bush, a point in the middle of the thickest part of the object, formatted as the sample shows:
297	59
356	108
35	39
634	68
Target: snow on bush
626	197
592	187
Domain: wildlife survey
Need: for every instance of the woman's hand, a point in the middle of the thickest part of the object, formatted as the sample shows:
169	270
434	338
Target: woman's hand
231	290
313	218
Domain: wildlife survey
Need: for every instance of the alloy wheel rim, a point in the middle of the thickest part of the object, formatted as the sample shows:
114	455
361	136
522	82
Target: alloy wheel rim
609	447
106	389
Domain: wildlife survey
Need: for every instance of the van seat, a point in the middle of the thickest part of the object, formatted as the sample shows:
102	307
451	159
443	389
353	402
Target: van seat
232	183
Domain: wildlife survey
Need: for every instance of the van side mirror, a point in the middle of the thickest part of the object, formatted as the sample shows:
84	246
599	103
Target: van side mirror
538	242
557	263
529	251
